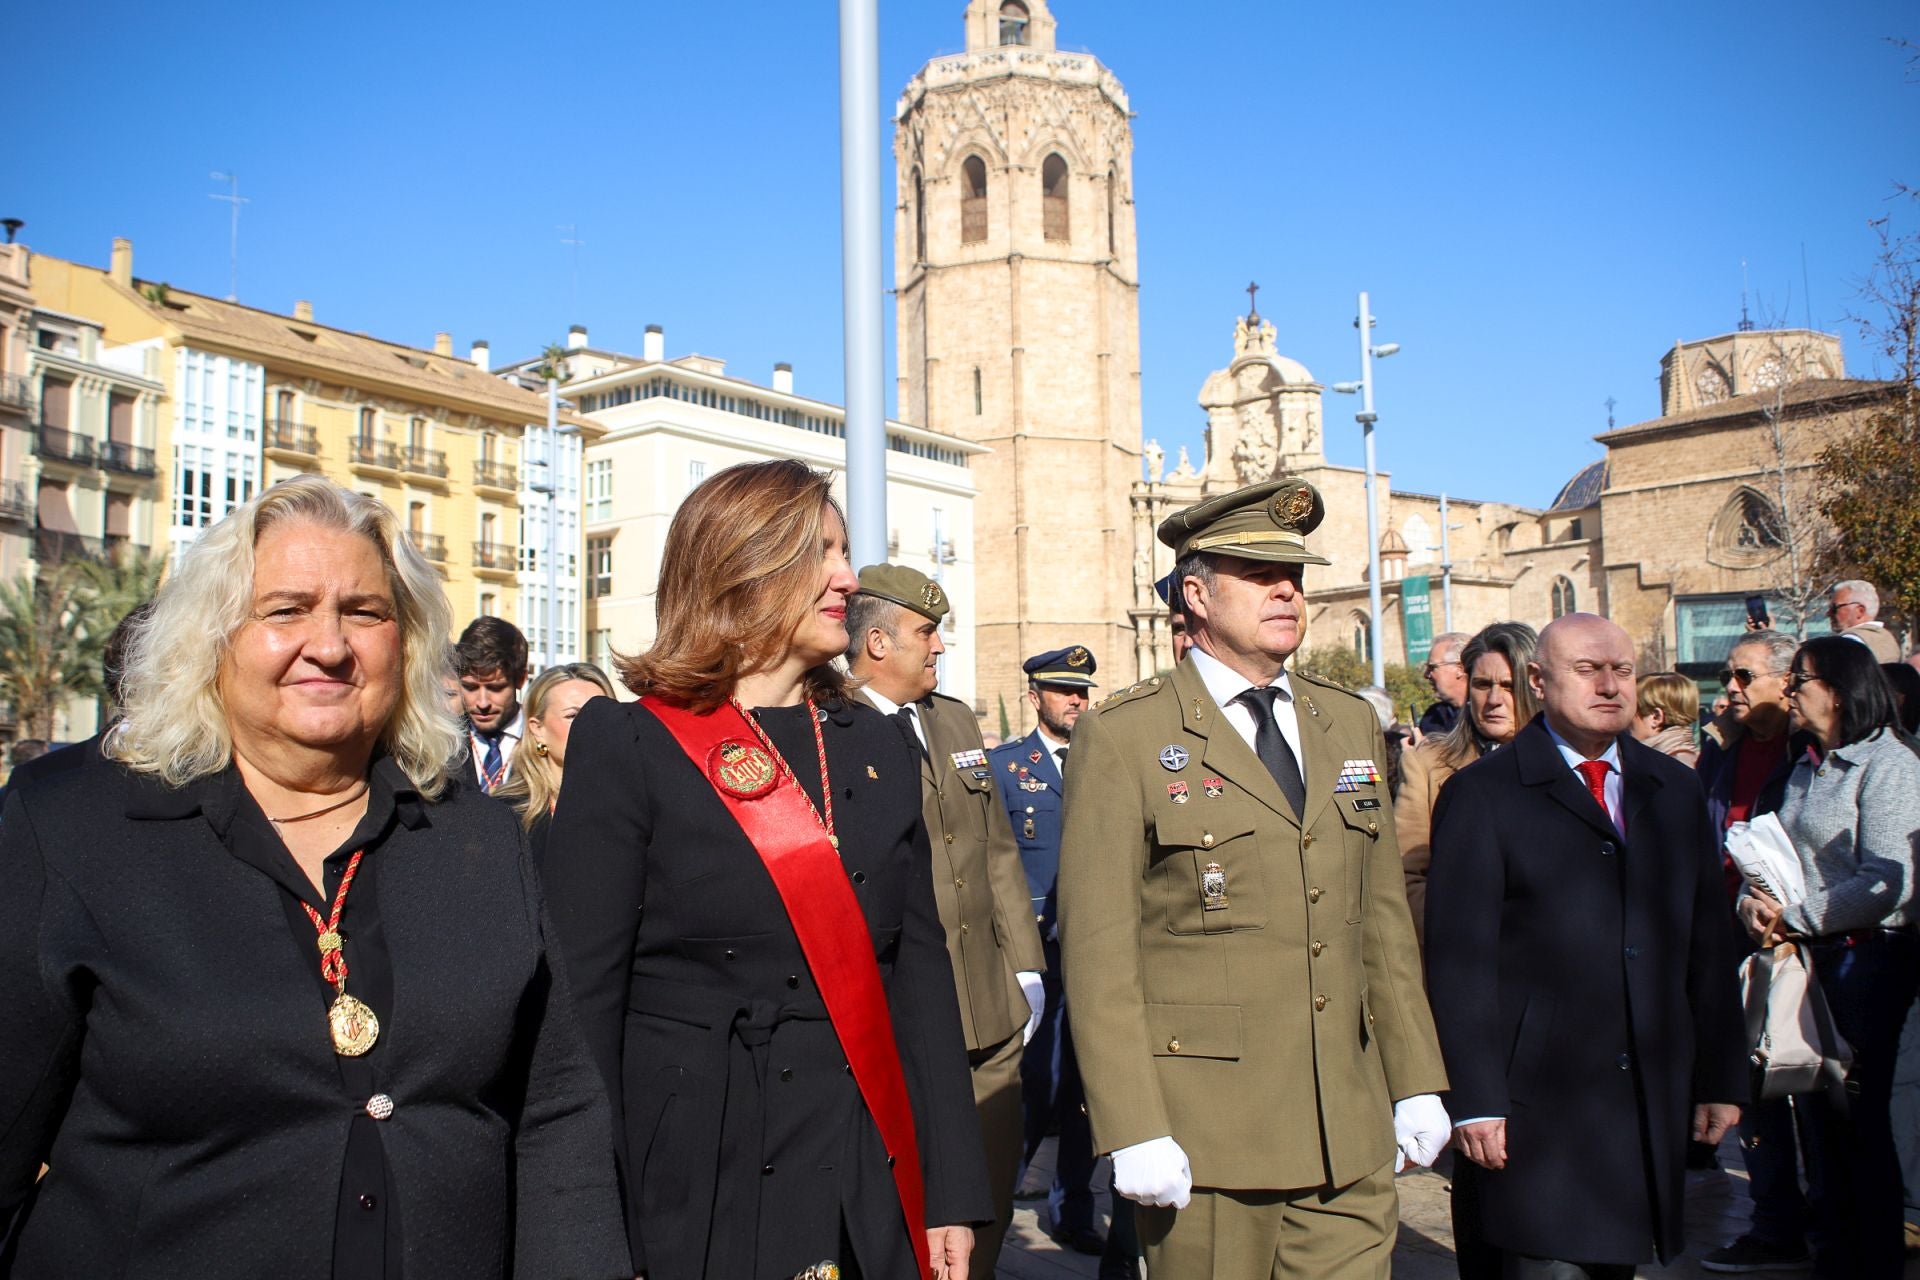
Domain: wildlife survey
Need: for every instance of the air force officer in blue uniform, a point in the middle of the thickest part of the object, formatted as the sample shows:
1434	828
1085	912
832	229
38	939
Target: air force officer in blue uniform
1028	772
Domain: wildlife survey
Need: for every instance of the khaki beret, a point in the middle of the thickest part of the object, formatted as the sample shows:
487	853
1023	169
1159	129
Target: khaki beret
908	588
1265	521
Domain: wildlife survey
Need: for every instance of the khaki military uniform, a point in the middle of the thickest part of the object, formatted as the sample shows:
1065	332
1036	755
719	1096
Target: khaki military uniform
981	892
1240	979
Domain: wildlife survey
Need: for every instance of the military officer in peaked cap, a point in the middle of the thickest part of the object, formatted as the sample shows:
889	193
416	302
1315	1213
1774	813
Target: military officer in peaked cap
1255	1043
1027	770
893	629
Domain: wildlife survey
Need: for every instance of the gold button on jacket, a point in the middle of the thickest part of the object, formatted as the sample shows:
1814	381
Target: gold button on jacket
1287	1002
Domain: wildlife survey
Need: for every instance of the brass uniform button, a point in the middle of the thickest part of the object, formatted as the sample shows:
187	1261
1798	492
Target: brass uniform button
1319	1003
1306	841
1173	1045
1373	828
963	928
1317	947
949	837
959	882
1313	895
1206	840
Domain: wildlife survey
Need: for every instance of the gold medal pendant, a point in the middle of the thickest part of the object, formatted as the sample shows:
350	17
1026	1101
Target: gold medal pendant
353	1026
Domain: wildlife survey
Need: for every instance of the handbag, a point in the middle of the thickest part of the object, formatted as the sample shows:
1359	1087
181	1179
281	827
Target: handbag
1792	1042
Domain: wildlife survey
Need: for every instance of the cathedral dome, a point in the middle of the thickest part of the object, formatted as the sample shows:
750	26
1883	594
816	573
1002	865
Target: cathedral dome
1583	490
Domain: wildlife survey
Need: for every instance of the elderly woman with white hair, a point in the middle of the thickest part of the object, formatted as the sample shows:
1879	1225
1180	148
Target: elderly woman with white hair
276	1000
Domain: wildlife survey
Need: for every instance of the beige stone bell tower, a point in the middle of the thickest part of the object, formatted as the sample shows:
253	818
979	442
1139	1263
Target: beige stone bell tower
1018	311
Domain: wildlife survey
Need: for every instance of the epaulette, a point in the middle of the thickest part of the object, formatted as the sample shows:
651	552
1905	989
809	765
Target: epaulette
1323	682
1133	692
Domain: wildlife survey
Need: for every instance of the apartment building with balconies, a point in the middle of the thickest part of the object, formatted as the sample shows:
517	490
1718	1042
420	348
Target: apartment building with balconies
255	396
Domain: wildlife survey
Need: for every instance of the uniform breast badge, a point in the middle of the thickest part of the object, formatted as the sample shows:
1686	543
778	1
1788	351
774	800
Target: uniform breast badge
872	773
1173	758
1355	774
1213	888
1033	756
742	768
969	759
1026	829
1215	788
1178	790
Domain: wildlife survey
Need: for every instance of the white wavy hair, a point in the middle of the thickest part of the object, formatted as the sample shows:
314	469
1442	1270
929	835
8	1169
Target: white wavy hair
174	724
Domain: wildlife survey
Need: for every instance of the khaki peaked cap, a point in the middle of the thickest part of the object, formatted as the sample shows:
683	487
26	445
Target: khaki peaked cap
908	588
1265	521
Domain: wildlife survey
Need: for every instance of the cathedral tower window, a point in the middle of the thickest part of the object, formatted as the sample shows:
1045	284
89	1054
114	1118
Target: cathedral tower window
1053	198
973	200
919	218
1113	200
1013	22
1563	601
979	404
1362	639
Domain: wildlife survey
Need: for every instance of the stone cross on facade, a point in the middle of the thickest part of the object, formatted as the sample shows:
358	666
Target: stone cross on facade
1253	301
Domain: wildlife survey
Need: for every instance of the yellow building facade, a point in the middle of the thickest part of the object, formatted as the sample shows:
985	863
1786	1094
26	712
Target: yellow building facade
463	457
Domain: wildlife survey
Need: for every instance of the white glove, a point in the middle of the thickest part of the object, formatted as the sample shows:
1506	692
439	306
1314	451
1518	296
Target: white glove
1154	1173
1036	994
1421	1128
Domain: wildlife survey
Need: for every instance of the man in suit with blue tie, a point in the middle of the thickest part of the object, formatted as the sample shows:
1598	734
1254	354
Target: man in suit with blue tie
1028	772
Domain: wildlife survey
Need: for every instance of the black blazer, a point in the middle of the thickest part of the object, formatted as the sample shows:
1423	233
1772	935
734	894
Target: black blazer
747	1142
165	1054
1583	987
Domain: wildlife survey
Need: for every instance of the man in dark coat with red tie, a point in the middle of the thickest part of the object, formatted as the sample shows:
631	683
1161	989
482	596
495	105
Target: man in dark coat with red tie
1580	965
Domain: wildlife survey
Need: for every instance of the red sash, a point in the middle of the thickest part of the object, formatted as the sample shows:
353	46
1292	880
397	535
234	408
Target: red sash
779	821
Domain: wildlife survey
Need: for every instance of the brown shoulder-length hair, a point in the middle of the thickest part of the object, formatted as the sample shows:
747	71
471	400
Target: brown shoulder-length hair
740	570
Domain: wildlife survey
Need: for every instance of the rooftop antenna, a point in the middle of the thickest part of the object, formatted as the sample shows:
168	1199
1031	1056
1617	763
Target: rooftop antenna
1746	325
234	198
1610	403
572	240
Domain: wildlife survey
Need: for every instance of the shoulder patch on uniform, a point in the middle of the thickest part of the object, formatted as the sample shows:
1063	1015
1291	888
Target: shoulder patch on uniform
1133	693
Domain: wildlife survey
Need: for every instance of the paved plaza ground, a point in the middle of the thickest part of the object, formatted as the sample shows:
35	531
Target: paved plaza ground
1717	1211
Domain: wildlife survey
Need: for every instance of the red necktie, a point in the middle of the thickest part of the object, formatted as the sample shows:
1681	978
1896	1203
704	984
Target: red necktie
1595	772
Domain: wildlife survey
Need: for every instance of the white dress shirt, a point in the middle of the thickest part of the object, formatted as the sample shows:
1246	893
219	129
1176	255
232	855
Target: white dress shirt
509	744
1054	748
1224	684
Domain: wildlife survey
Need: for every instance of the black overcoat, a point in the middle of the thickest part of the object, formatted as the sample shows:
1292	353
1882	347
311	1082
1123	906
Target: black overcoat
164	1050
747	1144
1583	986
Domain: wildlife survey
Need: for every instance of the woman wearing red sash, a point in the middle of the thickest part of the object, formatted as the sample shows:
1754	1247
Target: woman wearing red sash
741	884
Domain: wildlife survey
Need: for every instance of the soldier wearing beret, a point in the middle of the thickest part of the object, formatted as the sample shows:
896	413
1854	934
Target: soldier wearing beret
1256	1045
1028	772
894	647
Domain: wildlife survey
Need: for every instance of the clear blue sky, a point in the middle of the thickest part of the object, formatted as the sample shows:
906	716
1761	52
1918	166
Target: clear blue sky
1541	198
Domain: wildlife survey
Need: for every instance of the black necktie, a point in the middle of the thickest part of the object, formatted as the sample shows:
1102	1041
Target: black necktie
905	716
1272	747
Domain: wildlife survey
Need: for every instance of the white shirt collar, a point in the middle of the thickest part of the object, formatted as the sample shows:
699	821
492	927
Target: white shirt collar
887	705
1574	759
1224	684
514	730
1054	745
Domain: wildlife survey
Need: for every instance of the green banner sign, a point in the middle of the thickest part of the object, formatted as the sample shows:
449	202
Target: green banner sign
1416	618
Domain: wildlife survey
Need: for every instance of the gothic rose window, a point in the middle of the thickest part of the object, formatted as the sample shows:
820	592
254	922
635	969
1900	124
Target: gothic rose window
1710	384
1748	532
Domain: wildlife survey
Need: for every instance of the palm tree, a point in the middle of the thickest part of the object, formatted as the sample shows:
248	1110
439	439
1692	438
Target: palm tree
48	651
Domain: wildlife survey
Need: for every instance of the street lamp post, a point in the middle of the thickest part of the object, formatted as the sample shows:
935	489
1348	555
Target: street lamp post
1366	418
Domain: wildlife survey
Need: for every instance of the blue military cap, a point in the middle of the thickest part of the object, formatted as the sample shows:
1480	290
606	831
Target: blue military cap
1164	589
1070	666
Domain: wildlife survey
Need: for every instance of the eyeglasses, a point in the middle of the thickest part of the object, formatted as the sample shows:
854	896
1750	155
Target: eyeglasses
1800	680
1741	675
1432	667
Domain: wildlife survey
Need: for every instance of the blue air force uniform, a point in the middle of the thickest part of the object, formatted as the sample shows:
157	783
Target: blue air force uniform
1027	776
